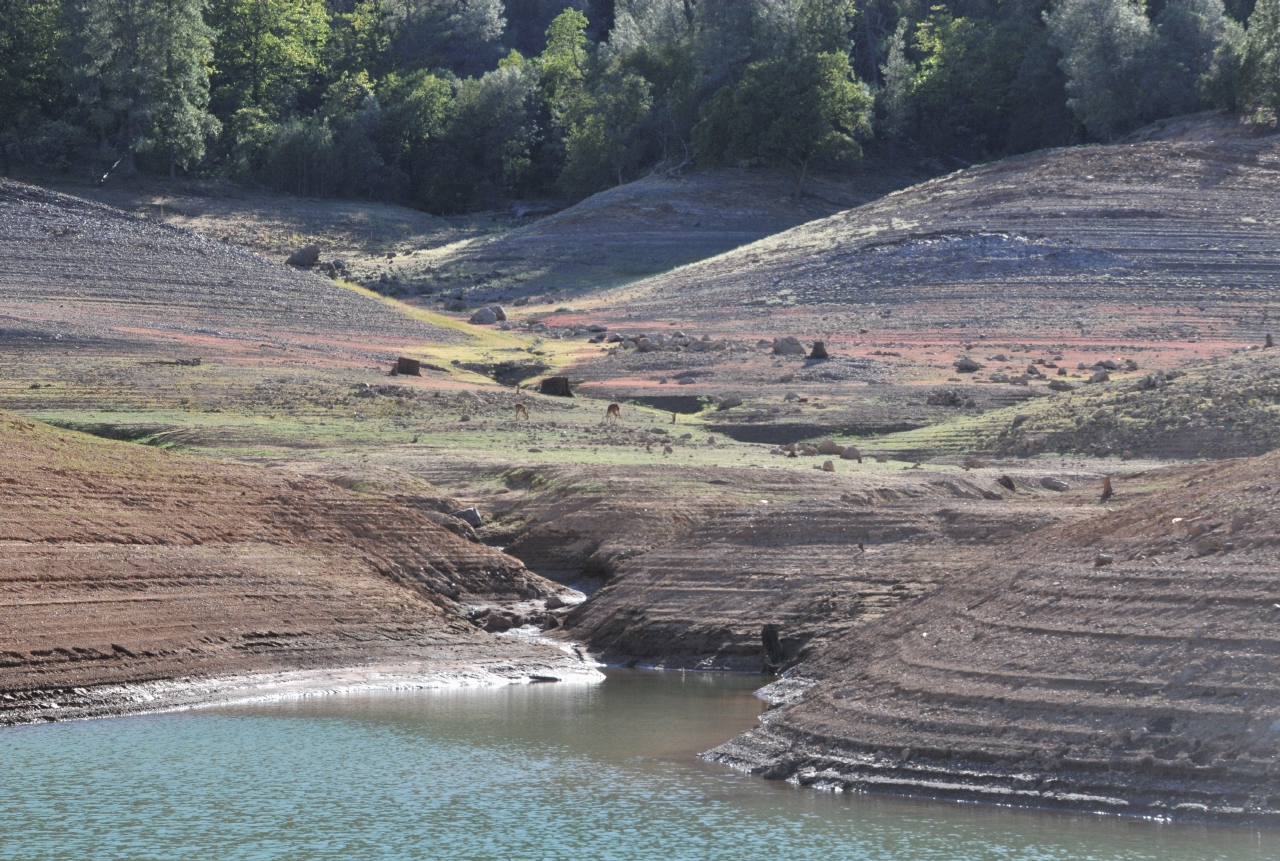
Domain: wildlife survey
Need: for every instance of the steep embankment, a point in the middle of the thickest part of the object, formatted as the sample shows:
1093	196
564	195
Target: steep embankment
1125	663
124	563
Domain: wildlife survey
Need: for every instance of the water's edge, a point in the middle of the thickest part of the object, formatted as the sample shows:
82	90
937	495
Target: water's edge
170	695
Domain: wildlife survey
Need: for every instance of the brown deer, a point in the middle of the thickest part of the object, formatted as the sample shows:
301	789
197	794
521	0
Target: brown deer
613	413
521	409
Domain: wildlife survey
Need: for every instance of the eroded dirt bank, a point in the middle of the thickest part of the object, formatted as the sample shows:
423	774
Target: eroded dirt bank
1124	663
125	564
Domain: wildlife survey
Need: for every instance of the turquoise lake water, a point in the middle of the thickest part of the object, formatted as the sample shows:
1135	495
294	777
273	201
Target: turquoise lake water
548	771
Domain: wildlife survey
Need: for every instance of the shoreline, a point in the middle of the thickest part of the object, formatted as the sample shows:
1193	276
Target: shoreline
187	694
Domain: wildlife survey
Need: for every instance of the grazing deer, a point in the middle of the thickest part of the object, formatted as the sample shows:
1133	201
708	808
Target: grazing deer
613	413
521	409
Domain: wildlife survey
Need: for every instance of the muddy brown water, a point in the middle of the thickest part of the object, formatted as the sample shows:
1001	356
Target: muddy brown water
540	771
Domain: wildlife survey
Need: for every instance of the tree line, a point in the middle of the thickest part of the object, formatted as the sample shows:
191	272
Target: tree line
455	105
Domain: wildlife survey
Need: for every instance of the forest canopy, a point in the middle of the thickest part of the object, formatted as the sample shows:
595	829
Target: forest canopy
456	105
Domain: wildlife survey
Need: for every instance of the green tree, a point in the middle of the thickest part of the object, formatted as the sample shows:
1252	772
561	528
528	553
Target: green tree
605	144
1260	62
899	82
1103	43
31	37
146	62
266	52
179	92
791	109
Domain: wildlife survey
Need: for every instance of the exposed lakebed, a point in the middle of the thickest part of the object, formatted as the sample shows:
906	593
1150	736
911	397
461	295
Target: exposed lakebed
568	770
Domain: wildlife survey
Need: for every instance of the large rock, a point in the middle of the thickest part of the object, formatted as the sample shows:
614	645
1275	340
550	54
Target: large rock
967	365
557	386
788	346
305	257
819	351
484	317
470	516
829	447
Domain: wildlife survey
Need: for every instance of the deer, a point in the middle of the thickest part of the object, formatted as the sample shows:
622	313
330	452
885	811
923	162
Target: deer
613	413
521	409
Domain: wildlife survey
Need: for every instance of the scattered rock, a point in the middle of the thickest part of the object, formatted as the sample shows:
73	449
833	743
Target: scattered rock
819	351
829	447
1102	559
828	466
851	452
1056	484
729	402
555	603
1006	482
1100	377
968	366
484	317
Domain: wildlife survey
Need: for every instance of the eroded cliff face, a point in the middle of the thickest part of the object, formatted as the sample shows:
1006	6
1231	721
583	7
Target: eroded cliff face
1127	662
124	563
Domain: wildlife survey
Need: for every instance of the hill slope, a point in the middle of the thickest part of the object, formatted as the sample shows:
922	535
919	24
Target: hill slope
96	279
1154	241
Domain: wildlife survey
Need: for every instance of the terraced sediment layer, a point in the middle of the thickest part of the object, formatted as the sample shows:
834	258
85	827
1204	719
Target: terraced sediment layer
816	556
125	564
1125	663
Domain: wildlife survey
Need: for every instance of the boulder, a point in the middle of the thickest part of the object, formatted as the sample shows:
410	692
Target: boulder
966	365
305	257
819	351
499	312
828	466
1100	377
555	602
484	317
496	624
1061	386
408	367
1055	484
851	452
788	346
1006	482
471	516
729	402
829	447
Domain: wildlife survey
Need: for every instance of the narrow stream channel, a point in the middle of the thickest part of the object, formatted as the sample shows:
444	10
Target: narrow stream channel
551	771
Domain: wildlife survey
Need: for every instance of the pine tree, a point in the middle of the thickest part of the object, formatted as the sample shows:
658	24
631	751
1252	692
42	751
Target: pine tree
179	91
147	63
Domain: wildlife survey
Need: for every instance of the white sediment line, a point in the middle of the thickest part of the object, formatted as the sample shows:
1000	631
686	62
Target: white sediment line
192	693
